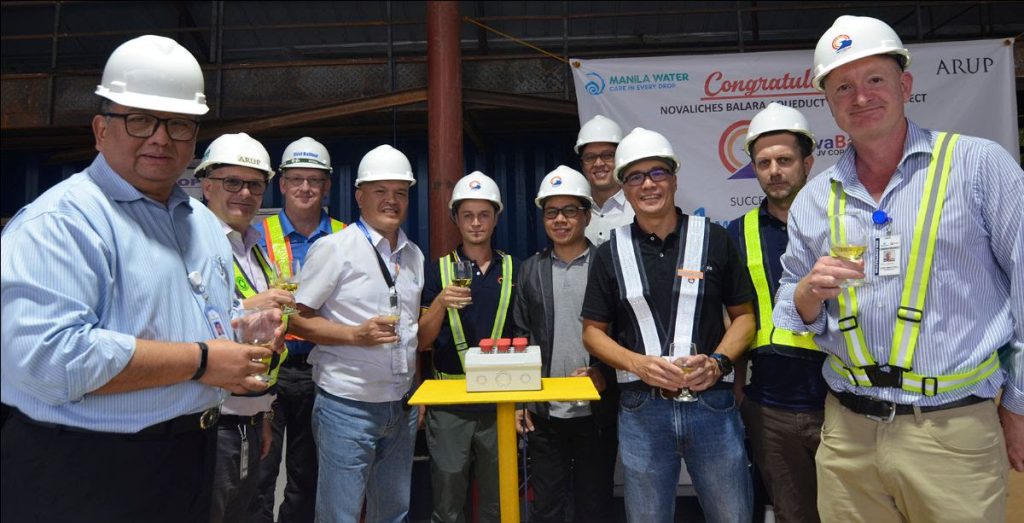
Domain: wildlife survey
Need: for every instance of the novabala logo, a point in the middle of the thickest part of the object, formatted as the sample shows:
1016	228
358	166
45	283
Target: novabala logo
596	84
731	153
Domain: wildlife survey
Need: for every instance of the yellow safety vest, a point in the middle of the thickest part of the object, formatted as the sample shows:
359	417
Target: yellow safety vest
446	264
245	289
280	249
897	372
767	332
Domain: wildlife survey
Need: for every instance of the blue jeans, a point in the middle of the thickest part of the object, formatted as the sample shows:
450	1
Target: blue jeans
364	449
708	434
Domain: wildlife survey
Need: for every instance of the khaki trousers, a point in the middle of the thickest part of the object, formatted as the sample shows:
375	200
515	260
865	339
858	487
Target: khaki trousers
943	466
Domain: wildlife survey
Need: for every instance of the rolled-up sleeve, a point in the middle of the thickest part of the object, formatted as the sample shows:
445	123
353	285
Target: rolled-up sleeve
56	285
797	262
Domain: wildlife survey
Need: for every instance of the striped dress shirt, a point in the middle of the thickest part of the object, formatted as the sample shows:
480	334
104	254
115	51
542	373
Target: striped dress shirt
975	305
91	266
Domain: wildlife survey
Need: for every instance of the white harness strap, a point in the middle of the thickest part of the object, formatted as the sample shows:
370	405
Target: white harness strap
689	284
634	287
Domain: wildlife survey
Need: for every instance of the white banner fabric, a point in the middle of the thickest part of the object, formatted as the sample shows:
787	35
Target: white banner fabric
703	105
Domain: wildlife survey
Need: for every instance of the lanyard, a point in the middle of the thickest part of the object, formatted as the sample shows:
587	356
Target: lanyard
392	291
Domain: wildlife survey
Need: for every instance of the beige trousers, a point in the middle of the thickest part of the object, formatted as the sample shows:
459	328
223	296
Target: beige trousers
943	466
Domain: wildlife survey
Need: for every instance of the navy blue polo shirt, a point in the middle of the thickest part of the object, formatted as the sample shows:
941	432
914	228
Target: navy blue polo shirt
777	381
477	318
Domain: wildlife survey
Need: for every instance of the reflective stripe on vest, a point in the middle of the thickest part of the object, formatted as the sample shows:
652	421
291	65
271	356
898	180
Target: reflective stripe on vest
279	249
767	333
446	265
910	313
244	289
688	289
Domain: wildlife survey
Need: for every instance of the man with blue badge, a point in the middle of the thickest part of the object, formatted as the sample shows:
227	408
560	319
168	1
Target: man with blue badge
359	298
917	352
784	402
117	294
654	311
459	307
235	171
286	237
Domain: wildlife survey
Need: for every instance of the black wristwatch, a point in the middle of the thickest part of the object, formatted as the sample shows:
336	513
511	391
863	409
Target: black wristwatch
724	363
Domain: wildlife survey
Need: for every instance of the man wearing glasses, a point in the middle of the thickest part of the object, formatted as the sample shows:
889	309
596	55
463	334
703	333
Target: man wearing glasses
571	443
117	292
664	280
286	237
596	146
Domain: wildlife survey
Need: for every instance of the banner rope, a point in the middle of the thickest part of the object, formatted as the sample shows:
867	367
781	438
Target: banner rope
516	40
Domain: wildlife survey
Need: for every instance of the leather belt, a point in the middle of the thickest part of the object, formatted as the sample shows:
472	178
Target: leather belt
666	394
187	423
885	411
232	419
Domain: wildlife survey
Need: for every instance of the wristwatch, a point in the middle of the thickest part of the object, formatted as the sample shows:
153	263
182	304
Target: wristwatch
724	363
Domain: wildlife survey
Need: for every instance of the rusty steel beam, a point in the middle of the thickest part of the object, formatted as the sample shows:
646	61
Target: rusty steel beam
444	117
518	101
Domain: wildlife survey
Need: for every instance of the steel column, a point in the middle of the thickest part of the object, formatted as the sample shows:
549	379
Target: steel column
444	120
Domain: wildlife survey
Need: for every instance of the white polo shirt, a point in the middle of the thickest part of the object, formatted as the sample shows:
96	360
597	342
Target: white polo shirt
341	279
241	250
616	211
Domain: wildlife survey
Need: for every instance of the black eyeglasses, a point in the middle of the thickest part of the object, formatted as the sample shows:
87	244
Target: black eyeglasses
636	178
590	158
141	125
298	181
235	185
569	211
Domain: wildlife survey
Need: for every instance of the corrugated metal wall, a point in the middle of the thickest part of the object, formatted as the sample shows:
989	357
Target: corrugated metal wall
517	163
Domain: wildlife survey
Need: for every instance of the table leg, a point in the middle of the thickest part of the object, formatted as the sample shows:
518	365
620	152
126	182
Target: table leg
508	473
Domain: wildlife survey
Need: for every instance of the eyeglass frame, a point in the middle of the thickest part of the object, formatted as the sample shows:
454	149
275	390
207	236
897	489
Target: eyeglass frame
561	210
230	180
159	121
606	157
299	181
640	176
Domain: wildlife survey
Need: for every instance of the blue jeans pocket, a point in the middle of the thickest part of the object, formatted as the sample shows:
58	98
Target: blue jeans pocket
717	400
631	400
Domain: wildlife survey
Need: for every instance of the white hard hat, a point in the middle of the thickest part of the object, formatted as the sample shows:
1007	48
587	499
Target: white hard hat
476	186
852	38
236	149
641	144
563	181
306	152
777	117
155	73
384	163
598	129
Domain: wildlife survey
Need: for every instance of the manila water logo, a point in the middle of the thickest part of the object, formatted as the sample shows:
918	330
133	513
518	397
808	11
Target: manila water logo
596	84
731	153
556	181
474	185
841	43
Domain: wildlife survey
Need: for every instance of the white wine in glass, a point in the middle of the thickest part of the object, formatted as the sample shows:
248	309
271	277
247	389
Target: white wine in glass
851	232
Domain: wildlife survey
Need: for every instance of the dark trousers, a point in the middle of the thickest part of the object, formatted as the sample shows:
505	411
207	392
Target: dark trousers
571	452
232	492
59	475
293	412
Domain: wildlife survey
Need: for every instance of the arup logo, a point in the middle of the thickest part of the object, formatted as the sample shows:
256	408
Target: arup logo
731	153
596	84
841	43
474	185
556	181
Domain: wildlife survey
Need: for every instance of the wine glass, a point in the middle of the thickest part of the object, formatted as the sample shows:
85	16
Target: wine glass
287	280
683	362
389	310
257	327
849	242
584	362
462	274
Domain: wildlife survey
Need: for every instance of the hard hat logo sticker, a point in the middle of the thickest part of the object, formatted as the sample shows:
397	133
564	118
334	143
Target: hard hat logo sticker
556	181
475	185
841	43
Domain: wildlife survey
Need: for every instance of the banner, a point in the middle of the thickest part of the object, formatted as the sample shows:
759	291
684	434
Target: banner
703	105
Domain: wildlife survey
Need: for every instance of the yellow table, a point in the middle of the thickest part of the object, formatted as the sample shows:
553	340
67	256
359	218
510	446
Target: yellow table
452	392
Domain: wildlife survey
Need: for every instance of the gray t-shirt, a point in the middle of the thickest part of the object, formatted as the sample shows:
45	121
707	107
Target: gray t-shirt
569	285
